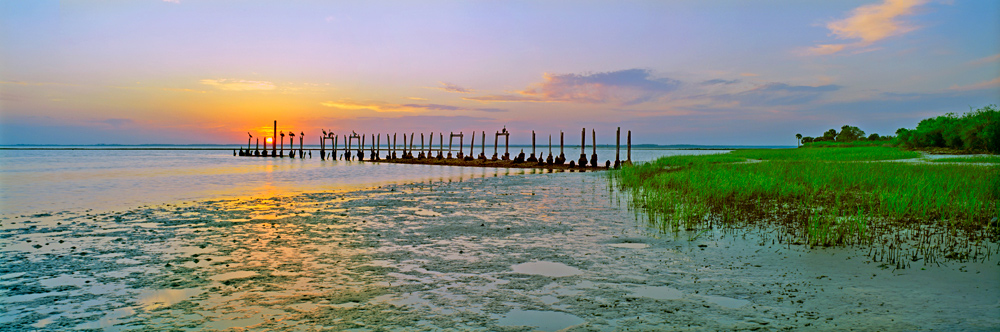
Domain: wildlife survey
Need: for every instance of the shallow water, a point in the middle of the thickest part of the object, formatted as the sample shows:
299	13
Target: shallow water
46	181
449	255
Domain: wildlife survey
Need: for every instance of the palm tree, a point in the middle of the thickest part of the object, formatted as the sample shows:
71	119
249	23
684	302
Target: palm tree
798	138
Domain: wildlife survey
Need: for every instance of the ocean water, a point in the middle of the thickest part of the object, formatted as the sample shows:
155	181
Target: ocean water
45	181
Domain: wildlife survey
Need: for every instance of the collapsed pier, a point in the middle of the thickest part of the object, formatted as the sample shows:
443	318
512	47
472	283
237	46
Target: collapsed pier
356	147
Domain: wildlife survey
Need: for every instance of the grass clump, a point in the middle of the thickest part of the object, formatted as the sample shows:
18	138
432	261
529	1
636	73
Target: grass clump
824	197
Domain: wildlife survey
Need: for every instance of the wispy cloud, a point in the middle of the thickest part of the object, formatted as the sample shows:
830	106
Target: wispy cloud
987	60
994	83
868	24
389	107
238	85
778	94
172	1
720	81
625	87
454	88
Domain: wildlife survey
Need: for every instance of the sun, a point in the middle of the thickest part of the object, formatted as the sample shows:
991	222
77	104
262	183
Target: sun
268	140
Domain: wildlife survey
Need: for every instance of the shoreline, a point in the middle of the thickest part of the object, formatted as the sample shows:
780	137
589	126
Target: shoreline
487	253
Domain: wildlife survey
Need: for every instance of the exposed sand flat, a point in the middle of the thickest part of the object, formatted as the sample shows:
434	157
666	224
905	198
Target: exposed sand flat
523	252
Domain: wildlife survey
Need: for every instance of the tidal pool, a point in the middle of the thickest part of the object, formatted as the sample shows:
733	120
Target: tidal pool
516	253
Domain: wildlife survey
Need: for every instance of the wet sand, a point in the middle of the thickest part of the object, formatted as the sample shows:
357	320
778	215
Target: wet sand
509	253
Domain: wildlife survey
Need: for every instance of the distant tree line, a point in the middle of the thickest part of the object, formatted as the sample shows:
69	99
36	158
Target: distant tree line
978	130
847	133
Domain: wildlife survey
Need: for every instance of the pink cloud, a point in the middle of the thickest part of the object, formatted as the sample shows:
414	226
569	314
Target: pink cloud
869	24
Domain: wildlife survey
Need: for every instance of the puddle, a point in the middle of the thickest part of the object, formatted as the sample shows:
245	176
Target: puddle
541	320
727	302
657	292
548	269
153	299
629	245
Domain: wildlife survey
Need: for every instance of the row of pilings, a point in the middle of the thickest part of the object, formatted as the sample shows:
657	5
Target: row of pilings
354	146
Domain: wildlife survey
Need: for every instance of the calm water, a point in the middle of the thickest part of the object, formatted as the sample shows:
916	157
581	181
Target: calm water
35	181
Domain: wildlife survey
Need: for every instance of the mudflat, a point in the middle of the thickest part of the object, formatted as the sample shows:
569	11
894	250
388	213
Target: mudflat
517	253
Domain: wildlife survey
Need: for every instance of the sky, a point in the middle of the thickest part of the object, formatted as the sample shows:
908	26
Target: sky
673	72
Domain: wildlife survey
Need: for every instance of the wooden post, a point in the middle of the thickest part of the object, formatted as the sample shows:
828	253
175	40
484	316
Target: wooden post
472	145
257	149
302	137
482	152
451	136
506	145
378	147
618	147
628	159
393	145
275	137
549	160
430	146
404	146
583	148
333	151
461	144
532	158
322	148
593	157
421	143
562	156
411	145
496	139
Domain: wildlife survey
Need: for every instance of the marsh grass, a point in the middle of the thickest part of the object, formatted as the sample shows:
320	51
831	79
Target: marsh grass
972	159
826	197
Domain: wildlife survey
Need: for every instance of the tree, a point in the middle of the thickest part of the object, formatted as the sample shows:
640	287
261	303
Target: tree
806	139
798	139
830	135
873	137
850	134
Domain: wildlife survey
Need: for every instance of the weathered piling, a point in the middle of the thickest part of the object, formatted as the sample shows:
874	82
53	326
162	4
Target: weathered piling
248	143
506	144
440	154
628	159
593	157
430	146
302	137
549	160
394	146
361	149
335	140
482	152
257	149
583	148
532	158
282	151
451	136
421	154
472	145
562	157
618	147
411	146
291	145
496	139
274	138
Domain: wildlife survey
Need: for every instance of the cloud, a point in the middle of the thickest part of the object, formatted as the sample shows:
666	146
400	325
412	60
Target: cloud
238	85
869	24
987	60
626	87
778	94
417	98
172	1
994	83
388	107
454	88
720	81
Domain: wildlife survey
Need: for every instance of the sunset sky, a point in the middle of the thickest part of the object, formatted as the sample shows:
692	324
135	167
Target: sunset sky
673	72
